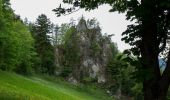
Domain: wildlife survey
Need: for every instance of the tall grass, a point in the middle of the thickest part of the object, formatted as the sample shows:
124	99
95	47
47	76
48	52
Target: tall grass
17	87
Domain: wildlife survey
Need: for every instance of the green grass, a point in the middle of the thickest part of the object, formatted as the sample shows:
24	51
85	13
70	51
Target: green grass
17	87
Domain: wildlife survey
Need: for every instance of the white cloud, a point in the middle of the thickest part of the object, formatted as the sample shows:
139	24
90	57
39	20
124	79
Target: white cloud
112	23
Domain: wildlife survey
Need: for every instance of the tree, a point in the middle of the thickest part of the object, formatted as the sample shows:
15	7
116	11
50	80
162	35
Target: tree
61	32
16	42
92	23
70	57
148	37
55	35
41	31
25	50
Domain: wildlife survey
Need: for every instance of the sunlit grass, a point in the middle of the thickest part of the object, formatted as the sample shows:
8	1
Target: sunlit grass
16	87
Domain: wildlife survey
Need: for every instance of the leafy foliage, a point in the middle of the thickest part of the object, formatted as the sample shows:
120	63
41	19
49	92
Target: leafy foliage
96	49
41	31
16	42
149	37
71	54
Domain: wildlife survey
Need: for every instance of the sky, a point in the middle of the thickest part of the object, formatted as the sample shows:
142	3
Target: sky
111	23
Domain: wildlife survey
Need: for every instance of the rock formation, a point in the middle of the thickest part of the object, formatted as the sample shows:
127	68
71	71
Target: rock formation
94	52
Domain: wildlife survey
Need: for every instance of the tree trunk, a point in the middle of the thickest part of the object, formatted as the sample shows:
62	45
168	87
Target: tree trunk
155	85
150	51
150	64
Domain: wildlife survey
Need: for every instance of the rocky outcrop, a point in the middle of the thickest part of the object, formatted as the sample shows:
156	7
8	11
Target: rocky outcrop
94	53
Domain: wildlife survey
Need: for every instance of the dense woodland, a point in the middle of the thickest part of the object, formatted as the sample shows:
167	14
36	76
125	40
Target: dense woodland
43	48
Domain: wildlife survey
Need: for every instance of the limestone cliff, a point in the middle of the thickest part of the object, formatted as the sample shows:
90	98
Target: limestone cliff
93	52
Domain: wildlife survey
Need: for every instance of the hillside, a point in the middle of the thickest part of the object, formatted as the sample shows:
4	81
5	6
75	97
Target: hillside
16	87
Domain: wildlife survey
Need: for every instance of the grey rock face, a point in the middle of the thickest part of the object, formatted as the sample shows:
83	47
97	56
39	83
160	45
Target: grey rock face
94	52
81	25
72	80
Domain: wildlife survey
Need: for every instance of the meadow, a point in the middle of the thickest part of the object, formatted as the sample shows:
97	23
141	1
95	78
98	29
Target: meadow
17	87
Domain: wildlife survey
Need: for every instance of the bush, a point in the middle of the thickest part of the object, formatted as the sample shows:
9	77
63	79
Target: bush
87	80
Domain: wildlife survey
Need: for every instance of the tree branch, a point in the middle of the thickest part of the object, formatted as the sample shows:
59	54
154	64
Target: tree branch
71	12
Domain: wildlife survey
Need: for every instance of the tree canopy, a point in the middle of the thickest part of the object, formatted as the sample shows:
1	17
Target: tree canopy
149	37
16	42
42	33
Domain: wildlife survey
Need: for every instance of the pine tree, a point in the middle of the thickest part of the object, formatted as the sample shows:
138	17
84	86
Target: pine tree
42	30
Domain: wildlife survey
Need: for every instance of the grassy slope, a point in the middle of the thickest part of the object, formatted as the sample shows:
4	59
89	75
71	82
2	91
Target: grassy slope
16	87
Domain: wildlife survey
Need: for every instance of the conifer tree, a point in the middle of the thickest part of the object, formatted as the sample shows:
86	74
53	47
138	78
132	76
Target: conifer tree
42	30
